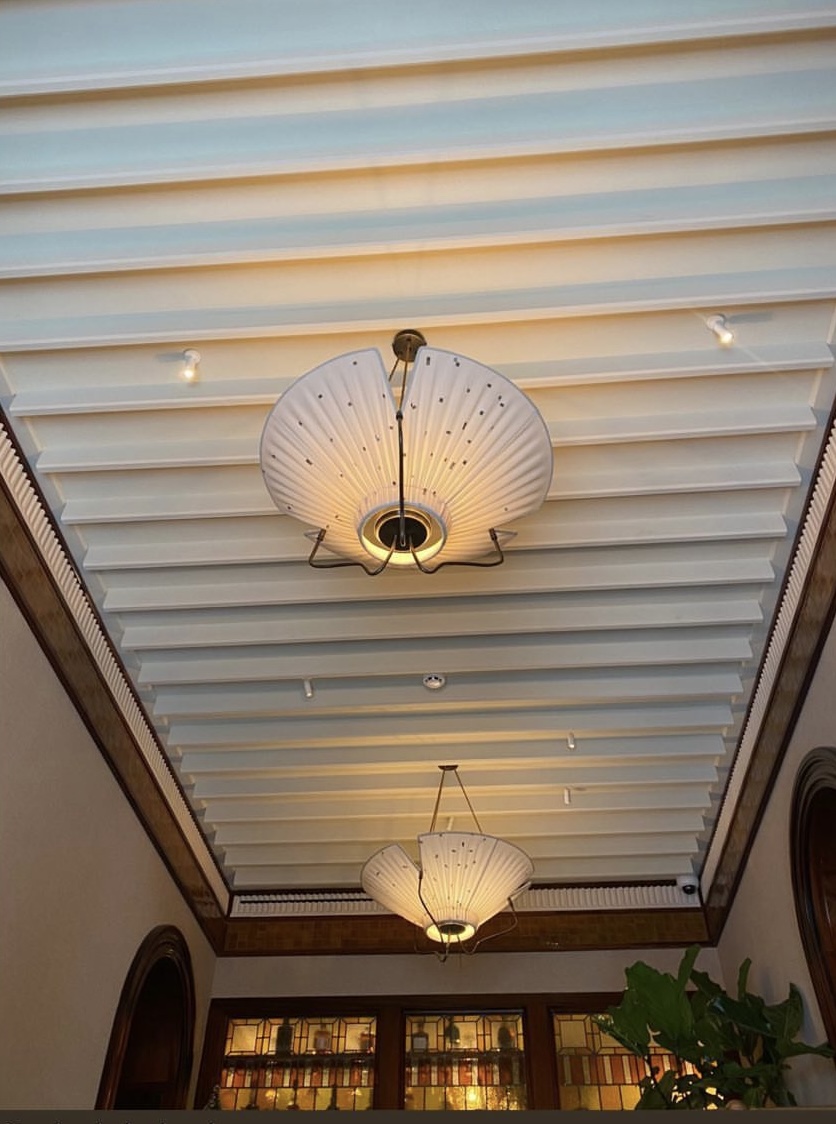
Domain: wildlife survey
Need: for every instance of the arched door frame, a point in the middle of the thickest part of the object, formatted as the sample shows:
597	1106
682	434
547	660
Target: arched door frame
163	943
816	777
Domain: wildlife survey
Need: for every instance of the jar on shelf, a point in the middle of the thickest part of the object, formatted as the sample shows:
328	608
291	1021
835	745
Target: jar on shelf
322	1040
420	1038
506	1038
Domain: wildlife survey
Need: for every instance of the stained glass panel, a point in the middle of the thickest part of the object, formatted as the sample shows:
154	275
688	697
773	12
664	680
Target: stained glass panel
465	1061
299	1063
593	1070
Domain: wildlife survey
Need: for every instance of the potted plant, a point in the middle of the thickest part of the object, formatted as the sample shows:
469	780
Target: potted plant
726	1051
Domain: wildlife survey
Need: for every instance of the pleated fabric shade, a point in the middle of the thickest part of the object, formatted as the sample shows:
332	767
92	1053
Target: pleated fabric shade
476	455
462	880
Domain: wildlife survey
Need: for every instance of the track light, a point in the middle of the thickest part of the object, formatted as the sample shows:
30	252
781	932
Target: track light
191	360
719	326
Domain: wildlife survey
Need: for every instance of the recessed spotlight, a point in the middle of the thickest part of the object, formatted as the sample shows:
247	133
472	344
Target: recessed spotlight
720	327
434	682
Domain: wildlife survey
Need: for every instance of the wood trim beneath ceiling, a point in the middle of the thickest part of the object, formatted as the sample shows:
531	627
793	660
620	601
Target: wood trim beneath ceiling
807	635
535	932
53	624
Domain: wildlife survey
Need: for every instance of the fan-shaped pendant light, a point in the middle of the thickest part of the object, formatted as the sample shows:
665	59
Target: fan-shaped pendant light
426	479
462	878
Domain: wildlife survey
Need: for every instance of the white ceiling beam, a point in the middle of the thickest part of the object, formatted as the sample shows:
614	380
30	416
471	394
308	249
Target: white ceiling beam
385	314
607	869
364	731
688	477
545	530
156	455
331	798
444	130
700	569
412	658
81	61
446	621
690	795
462	692
586	799
396	759
780	358
803	199
568	822
350	853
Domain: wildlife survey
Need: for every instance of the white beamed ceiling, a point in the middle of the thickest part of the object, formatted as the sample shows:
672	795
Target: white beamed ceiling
561	191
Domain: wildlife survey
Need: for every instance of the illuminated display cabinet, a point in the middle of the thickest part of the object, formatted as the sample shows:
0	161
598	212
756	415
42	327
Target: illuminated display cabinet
464	1061
307	1055
297	1063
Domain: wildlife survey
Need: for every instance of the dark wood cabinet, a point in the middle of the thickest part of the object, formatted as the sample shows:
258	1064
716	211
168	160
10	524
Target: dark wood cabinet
473	1052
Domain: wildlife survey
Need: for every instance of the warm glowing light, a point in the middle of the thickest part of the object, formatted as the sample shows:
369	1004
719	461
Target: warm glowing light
191	360
426	475
719	326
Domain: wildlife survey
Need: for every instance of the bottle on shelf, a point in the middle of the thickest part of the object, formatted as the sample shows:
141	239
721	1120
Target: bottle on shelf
284	1037
420	1038
452	1034
506	1039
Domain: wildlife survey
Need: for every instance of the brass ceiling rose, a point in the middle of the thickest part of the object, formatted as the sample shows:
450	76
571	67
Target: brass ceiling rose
406	343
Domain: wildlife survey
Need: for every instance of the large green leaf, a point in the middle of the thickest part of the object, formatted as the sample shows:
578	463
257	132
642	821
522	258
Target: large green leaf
785	1018
665	1004
659	1093
627	1024
743	977
683	975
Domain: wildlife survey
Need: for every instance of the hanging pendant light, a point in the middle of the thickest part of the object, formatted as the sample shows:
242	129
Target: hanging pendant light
462	879
423	481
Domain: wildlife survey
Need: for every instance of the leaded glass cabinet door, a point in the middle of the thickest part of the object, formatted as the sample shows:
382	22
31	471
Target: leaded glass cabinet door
465	1061
298	1063
593	1070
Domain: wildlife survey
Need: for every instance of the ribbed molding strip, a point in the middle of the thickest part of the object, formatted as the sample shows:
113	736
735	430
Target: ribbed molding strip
351	903
796	581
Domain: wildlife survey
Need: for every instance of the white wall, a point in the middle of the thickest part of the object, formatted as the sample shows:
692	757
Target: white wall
489	974
80	886
762	922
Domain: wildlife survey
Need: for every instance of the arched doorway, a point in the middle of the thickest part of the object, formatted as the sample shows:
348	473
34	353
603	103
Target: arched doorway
149	1057
813	843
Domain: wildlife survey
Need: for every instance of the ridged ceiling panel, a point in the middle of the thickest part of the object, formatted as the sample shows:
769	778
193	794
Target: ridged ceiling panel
565	193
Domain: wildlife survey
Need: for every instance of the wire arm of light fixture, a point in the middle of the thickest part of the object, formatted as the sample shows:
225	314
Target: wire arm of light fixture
454	769
405	346
340	563
461	945
464	946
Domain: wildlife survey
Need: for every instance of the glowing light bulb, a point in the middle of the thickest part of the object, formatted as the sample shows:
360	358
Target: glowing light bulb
191	359
719	326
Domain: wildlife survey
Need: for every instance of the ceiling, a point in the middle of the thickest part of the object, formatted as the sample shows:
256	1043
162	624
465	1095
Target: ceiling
561	192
